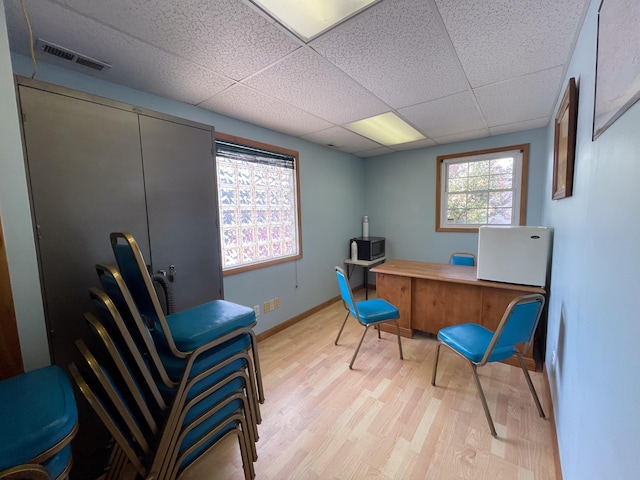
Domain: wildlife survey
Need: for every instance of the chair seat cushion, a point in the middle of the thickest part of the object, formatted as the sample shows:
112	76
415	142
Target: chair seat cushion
37	411
376	310
59	462
175	366
200	324
472	340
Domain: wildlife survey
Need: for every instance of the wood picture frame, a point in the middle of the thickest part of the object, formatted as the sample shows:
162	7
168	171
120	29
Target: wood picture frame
617	62
564	144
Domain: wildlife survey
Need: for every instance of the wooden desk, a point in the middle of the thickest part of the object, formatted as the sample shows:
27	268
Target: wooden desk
431	296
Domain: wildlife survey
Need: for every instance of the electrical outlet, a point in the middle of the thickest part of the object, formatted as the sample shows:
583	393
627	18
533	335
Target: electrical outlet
271	304
276	303
266	307
256	308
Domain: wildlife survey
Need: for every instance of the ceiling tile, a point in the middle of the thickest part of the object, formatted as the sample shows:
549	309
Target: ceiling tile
525	98
446	116
418	58
134	63
516	127
462	137
246	104
226	36
414	145
342	139
374	152
398	50
307	81
500	39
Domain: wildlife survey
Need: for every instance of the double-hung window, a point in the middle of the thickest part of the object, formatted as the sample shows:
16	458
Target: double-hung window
485	187
258	199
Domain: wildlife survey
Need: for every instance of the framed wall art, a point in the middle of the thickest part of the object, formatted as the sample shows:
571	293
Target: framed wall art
564	144
617	62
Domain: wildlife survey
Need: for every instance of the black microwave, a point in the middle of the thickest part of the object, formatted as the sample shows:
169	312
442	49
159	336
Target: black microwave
369	248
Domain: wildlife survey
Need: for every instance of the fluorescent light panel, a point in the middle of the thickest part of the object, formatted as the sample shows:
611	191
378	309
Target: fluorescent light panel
387	129
309	18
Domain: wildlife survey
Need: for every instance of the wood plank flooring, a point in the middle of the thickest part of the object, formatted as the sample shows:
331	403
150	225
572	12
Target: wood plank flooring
383	420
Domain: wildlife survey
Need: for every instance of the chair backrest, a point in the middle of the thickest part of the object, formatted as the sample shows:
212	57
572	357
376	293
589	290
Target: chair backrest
110	418
118	304
346	293
140	284
129	371
463	258
518	324
117	393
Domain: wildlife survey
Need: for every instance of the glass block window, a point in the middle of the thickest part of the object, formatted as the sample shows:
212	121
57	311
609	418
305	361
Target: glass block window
481	188
258	198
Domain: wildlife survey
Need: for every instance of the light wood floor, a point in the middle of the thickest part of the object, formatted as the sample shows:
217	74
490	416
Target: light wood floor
384	420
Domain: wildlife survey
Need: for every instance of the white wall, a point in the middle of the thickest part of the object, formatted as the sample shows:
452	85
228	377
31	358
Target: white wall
594	326
16	220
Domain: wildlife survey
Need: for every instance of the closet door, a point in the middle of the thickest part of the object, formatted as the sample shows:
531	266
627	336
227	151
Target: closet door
85	174
86	180
180	182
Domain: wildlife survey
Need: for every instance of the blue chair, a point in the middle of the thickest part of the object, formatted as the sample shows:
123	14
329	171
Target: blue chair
157	440
182	332
152	369
367	312
119	313
167	455
479	345
39	418
224	371
463	258
26	472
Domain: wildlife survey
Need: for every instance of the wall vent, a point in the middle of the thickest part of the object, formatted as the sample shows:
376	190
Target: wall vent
70	55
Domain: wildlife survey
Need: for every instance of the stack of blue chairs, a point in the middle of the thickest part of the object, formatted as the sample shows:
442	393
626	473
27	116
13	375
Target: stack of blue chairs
39	418
170	387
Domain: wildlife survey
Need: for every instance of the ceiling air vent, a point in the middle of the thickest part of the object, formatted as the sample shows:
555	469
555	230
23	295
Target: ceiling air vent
70	55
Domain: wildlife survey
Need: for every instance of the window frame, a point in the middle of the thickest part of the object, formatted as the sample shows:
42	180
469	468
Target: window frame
441	189
272	148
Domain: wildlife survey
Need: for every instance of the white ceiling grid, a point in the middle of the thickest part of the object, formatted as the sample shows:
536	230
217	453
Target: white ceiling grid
454	69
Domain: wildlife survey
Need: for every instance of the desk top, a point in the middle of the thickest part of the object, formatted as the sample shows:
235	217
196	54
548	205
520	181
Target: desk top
446	273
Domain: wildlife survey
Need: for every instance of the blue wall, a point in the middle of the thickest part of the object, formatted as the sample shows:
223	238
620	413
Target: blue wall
592	346
401	199
594	326
331	186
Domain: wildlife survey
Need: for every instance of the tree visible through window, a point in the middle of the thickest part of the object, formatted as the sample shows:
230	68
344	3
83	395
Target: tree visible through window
481	188
258	201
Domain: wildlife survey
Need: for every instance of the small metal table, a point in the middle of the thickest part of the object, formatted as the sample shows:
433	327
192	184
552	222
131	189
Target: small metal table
366	266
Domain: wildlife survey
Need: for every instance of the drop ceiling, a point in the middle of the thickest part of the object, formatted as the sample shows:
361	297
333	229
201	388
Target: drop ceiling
453	69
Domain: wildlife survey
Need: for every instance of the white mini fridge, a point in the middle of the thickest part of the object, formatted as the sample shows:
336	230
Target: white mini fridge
514	254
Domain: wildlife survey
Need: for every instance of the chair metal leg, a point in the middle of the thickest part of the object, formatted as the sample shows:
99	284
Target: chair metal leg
358	348
435	365
378	328
531	388
256	367
341	328
484	400
398	333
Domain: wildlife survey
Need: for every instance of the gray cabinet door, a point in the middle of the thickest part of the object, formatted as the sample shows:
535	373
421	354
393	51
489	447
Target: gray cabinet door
180	182
96	166
86	180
